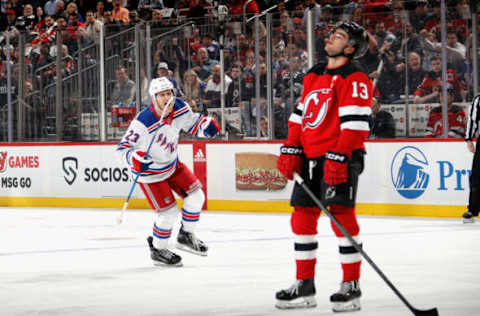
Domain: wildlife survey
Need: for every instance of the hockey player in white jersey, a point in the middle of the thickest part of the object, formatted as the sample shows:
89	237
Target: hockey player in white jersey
160	171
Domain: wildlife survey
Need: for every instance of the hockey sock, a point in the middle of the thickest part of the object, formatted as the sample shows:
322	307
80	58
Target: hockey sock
350	258
192	207
162	227
304	226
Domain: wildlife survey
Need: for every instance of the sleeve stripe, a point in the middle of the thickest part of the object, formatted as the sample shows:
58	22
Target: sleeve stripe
298	112
472	123
350	118
295	118
355	125
354	110
194	129
123	146
195	124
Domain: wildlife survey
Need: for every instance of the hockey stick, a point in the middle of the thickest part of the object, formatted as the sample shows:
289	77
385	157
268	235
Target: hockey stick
416	312
120	217
379	71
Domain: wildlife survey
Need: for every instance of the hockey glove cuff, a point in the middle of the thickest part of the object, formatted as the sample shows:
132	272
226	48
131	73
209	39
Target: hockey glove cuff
335	170
290	161
141	161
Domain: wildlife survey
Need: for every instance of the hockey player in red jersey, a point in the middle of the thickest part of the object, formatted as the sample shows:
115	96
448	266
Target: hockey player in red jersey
325	145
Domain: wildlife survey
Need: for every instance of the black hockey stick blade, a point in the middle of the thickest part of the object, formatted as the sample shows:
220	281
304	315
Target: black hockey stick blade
430	312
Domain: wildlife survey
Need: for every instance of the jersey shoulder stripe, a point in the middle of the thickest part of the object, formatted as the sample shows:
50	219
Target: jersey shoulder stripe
178	105
155	126
180	108
180	112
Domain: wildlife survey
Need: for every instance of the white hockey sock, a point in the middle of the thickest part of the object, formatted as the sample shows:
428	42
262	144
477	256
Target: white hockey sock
162	227
192	207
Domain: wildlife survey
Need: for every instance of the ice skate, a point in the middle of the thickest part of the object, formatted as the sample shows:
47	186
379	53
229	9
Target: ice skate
468	217
189	242
163	257
300	295
347	299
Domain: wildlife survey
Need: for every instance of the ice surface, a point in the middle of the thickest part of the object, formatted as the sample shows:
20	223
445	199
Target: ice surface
79	262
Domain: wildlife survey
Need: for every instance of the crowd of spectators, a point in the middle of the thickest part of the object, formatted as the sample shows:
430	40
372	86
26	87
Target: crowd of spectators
402	59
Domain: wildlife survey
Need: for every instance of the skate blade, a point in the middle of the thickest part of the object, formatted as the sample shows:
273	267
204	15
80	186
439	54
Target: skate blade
353	305
301	302
166	265
468	220
188	249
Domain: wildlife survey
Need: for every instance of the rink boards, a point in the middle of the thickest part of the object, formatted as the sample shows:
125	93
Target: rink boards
401	178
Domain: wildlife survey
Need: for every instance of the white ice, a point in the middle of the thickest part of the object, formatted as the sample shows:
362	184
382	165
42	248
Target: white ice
79	262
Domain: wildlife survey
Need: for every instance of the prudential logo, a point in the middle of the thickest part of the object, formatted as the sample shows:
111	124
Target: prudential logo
408	171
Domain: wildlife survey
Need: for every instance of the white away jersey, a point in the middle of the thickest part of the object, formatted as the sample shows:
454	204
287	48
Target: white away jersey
164	150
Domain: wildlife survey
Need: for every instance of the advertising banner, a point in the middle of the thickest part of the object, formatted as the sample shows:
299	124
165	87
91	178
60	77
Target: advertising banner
245	171
90	171
241	176
434	173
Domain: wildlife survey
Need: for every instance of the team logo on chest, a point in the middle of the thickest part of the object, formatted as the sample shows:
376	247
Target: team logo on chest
316	107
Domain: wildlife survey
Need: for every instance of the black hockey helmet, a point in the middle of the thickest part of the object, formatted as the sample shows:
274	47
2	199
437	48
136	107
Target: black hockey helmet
358	37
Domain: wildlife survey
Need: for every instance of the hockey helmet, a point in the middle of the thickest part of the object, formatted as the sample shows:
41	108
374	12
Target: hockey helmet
358	37
158	85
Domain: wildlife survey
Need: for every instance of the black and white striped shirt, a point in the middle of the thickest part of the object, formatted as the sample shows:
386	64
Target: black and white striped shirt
473	118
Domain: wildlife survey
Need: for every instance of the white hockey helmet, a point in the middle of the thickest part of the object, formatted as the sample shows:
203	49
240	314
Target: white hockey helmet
158	85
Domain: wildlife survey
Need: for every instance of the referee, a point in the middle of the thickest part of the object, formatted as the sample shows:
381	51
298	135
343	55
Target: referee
472	128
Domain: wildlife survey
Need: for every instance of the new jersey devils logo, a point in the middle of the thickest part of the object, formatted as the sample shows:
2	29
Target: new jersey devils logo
314	113
3	161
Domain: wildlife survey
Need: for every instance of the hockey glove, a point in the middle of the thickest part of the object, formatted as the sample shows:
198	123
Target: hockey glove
140	161
335	170
290	160
211	128
207	127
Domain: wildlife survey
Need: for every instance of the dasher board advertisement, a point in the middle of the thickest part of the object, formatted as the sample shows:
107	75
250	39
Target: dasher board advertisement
90	171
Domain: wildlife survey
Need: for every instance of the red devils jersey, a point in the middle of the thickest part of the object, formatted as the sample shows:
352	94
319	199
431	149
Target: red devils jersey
332	100
456	122
433	81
